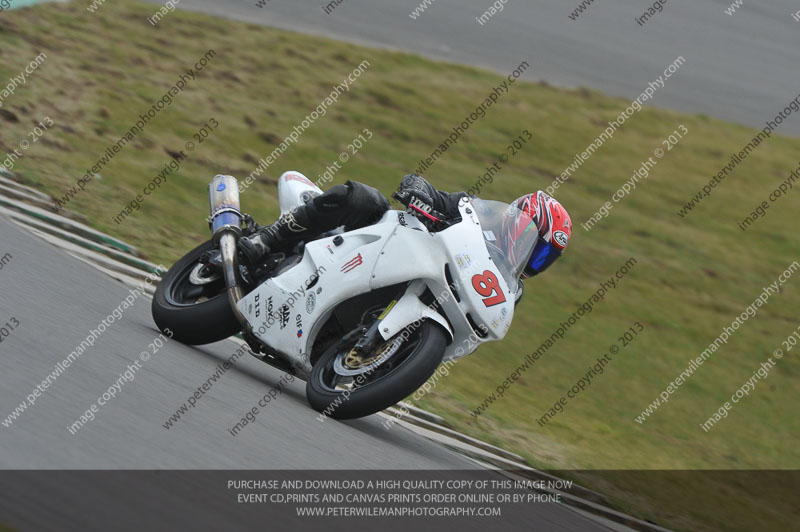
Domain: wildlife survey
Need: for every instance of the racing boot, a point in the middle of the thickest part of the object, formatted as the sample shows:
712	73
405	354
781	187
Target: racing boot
352	205
280	236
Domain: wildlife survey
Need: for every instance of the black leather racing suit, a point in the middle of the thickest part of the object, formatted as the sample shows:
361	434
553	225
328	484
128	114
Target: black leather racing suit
352	205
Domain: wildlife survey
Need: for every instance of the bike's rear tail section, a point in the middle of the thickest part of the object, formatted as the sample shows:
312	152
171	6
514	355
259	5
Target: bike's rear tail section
294	189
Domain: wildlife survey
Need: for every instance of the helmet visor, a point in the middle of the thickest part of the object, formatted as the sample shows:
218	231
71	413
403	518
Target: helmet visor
544	254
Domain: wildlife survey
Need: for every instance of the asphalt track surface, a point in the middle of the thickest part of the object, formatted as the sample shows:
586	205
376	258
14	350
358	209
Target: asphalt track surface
740	67
57	300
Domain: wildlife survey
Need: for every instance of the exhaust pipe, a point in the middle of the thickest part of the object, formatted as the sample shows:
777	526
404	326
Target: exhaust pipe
223	200
225	221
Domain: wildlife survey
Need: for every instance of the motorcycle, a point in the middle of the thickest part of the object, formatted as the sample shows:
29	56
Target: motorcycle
364	316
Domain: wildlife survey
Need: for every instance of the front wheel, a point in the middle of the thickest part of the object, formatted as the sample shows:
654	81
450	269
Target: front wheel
344	385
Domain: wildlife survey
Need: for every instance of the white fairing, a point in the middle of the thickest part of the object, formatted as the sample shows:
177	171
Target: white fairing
288	311
413	254
294	189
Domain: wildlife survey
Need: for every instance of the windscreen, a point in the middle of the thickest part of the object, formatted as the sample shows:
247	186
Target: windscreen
510	237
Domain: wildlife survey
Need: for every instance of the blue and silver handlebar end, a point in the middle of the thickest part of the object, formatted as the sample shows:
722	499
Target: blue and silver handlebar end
225	213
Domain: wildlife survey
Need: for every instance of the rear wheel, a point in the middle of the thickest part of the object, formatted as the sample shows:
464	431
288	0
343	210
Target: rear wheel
344	385
191	301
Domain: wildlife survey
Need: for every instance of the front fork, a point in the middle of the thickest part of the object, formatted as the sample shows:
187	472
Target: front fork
410	310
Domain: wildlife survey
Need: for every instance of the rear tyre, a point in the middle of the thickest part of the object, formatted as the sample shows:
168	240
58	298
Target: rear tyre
343	397
194	313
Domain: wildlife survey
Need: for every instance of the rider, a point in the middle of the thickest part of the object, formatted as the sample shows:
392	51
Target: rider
354	205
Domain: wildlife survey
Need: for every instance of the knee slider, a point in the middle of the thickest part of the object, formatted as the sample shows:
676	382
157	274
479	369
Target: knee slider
336	197
366	205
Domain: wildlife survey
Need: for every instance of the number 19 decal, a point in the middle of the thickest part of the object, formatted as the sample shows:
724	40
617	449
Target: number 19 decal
487	286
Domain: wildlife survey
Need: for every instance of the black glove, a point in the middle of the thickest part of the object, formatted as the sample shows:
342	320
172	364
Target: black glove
415	190
418	196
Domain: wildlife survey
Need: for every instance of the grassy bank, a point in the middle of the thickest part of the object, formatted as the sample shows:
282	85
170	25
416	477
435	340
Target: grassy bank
693	275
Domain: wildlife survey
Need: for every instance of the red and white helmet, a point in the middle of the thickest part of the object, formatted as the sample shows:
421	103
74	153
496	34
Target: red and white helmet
553	223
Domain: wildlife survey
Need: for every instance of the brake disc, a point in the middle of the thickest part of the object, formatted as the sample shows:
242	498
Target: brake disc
351	363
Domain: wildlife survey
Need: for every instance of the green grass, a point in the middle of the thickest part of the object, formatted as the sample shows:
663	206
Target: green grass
694	275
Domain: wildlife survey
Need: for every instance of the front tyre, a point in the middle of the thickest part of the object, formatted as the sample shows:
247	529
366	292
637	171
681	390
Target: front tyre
192	302
343	387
